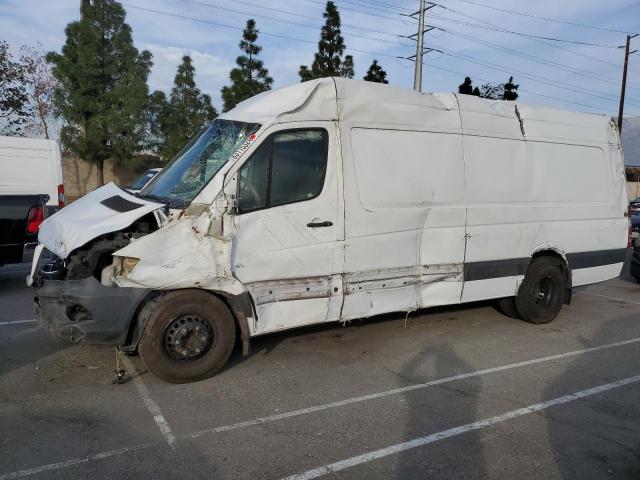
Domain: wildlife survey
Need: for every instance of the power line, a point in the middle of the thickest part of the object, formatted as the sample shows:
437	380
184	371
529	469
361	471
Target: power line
362	12
554	45
475	77
535	78
390	6
234	27
522	34
295	14
375	54
289	22
379	6
540	60
548	19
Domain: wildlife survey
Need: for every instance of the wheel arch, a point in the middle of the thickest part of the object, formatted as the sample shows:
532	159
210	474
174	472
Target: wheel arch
552	251
240	306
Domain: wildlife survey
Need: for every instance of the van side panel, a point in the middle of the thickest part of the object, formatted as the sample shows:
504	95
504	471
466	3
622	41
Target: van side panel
404	228
529	191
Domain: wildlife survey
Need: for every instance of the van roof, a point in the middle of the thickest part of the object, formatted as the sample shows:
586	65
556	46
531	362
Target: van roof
386	106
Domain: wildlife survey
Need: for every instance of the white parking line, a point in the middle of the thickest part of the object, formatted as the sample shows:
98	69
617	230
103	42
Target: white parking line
453	432
607	296
16	322
282	416
395	391
74	461
151	405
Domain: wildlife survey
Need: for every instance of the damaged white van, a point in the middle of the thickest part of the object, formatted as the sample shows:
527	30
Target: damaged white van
331	200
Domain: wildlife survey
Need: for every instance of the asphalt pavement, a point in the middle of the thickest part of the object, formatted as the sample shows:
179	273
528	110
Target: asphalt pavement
458	392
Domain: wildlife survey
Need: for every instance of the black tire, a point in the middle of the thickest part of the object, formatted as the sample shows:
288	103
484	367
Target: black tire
541	295
507	306
205	347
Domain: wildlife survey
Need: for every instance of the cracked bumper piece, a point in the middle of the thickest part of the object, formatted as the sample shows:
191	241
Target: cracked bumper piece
85	311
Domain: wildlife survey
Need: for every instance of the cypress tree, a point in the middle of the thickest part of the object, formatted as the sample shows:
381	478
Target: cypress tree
376	74
328	61
186	113
102	91
250	77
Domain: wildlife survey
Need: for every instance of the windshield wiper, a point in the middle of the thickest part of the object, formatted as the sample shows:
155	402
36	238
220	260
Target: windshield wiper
152	197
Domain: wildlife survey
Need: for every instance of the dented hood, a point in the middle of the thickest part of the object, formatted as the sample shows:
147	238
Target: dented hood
105	210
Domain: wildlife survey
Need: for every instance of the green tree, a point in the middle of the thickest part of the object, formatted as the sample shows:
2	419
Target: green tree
102	91
466	87
186	112
250	77
14	99
376	74
155	117
328	61
510	90
491	91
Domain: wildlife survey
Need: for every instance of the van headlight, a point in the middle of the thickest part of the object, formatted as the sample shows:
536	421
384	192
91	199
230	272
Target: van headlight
126	265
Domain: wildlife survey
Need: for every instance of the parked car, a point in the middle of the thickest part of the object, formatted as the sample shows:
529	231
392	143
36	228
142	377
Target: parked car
337	199
20	219
143	180
31	189
634	205
635	226
634	267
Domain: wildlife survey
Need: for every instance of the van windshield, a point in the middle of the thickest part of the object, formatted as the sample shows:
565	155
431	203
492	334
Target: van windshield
197	163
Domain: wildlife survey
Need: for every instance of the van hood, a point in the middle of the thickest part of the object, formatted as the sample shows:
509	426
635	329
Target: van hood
105	210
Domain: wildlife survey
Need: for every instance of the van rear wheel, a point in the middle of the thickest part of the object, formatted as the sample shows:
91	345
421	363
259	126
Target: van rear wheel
189	336
541	294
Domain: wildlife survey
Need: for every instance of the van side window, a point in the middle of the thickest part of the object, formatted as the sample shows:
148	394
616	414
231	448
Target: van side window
288	167
299	162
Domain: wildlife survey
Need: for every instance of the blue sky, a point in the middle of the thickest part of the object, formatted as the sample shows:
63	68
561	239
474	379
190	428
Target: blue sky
373	32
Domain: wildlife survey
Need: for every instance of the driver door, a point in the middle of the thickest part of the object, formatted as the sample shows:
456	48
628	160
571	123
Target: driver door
288	231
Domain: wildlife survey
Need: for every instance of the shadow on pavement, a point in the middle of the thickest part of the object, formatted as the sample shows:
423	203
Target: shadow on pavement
606	443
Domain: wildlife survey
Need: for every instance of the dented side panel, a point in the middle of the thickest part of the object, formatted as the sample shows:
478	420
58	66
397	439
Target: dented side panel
181	255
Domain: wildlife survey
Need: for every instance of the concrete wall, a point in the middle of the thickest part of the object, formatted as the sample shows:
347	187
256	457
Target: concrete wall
80	177
633	190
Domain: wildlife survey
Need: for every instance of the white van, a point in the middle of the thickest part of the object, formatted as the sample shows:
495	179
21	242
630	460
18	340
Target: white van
337	199
32	166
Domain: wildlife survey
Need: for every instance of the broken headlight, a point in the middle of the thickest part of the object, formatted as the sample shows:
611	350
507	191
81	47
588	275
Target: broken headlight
126	265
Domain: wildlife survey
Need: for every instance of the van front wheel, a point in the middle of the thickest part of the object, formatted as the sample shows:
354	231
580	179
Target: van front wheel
189	336
541	294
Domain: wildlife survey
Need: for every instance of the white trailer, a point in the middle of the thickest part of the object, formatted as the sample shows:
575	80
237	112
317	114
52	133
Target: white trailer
338	199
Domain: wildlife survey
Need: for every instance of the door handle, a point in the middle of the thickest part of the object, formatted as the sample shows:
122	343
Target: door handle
319	224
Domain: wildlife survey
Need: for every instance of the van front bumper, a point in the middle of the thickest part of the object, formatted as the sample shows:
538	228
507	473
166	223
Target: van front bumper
85	311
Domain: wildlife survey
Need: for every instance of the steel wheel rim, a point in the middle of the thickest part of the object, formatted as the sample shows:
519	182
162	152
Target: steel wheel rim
188	337
544	292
